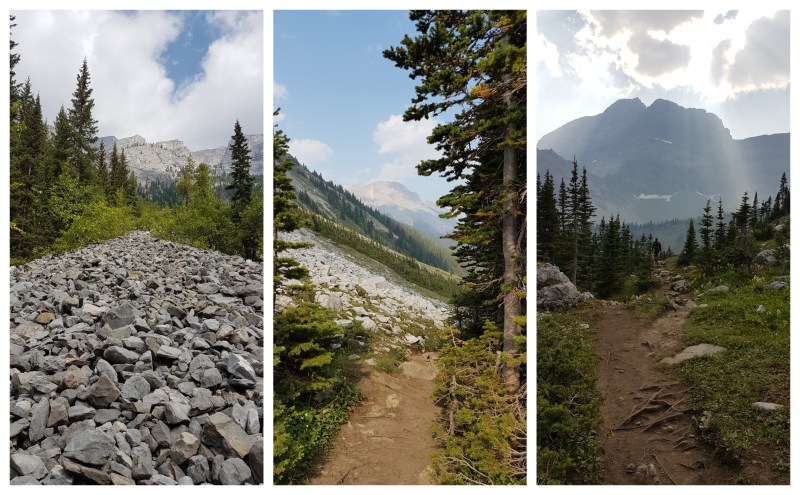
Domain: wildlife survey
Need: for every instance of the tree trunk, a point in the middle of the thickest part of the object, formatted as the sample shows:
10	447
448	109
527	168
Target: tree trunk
512	306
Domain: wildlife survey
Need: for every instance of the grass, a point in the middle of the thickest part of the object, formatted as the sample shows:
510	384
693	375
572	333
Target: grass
755	367
391	361
648	307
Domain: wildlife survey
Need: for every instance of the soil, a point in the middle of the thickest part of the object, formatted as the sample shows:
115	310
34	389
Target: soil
648	434
387	440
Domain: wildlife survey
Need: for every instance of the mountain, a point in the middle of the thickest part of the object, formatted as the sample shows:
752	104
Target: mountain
662	161
343	209
165	159
404	205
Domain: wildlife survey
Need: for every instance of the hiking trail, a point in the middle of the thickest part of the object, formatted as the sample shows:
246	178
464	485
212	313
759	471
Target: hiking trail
648	436
387	439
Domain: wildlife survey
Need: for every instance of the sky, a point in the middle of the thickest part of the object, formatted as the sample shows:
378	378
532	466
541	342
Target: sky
342	103
734	64
164	75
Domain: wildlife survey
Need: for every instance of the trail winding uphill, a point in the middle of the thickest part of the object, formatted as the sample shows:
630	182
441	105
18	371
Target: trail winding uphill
387	439
137	361
648	436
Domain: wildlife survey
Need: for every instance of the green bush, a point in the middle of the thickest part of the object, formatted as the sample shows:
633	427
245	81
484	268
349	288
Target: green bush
96	223
567	403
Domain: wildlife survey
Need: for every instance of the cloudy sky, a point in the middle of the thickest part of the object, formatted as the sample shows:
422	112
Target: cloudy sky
184	75
732	63
342	102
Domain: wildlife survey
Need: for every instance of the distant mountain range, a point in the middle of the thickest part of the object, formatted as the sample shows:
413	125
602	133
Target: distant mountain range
165	159
659	162
404	205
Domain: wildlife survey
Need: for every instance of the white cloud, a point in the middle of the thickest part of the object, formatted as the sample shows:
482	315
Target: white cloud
279	91
310	151
393	135
131	90
547	54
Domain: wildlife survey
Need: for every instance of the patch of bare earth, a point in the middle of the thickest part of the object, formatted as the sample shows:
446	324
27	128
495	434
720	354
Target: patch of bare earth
387	440
648	436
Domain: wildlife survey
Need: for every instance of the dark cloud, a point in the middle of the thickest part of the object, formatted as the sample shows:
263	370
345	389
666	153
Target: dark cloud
637	21
658	57
764	60
719	64
731	14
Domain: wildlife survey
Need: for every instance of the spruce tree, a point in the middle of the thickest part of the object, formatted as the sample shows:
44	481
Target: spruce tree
84	128
102	168
720	233
687	257
706	241
61	148
242	185
14	58
474	61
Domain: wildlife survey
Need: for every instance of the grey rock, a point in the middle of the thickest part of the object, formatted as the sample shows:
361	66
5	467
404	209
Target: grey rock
103	367
255	459
53	364
211	378
39	416
18	427
198	364
234	472
692	352
161	433
135	388
766	257
222	433
554	291
185	447
120	316
160	479
778	285
239	367
91	447
25	480
253	424
198	469
176	413
120	355
766	407
185	480
102	416
80	411
168	352
142	462
103	392
28	465
59	412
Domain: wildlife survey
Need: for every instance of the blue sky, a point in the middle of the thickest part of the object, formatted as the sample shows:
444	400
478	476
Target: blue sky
342	102
186	75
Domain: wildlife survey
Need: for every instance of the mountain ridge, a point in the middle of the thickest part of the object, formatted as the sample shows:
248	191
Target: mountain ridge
639	157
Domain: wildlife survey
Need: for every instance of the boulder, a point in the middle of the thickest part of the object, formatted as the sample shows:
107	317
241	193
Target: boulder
554	291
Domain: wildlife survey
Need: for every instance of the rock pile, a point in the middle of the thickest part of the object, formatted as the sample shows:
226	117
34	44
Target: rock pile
345	286
137	361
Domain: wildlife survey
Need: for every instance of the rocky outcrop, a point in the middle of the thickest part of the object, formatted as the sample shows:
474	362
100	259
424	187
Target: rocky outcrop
138	373
554	291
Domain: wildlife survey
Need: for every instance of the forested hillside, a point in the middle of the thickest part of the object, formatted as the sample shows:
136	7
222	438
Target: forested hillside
335	203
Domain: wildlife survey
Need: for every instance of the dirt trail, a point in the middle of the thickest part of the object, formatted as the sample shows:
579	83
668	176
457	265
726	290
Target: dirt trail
387	440
648	417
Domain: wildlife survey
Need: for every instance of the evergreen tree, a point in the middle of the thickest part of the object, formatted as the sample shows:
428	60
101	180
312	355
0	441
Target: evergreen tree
547	221
61	149
720	232
102	168
84	128
14	86
116	173
242	185
687	257
475	61
706	240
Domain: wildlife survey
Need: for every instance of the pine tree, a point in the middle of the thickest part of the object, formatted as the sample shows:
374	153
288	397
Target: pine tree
242	185
84	128
706	241
687	257
547	222
475	61
61	149
720	233
14	58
